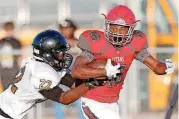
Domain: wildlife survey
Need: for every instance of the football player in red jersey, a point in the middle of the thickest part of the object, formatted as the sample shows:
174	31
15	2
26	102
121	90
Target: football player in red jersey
122	44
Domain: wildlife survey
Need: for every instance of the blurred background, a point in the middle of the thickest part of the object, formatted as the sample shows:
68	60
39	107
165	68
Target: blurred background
145	95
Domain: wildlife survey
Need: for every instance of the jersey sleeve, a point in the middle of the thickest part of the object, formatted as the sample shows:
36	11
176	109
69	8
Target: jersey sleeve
88	55
67	80
143	53
83	43
92	43
52	94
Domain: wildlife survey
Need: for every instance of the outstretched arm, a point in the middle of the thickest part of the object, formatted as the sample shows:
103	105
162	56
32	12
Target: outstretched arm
156	66
58	95
73	94
159	68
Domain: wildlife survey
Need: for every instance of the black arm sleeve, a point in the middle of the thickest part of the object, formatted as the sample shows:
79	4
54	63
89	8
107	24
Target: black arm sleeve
78	82
52	94
67	80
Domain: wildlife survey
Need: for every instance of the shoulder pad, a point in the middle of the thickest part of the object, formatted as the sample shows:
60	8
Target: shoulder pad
138	33
26	61
139	41
92	40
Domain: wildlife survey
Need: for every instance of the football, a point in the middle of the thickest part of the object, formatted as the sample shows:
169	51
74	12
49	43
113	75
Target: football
99	63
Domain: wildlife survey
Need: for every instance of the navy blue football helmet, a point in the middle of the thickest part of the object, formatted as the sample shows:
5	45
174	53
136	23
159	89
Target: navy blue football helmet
51	47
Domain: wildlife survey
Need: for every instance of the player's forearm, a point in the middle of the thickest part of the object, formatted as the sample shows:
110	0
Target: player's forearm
73	94
85	72
156	66
160	68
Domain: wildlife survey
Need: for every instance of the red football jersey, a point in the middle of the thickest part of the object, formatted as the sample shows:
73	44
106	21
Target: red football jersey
94	42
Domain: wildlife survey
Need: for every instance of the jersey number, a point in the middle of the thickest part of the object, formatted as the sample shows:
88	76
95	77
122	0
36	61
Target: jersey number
18	78
45	84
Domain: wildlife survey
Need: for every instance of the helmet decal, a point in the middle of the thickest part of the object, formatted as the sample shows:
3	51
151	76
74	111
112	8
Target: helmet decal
94	36
120	21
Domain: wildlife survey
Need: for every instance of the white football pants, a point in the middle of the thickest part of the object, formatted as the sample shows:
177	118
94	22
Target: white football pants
96	110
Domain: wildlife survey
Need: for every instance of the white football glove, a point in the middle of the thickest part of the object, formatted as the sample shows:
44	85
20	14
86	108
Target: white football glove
170	66
111	70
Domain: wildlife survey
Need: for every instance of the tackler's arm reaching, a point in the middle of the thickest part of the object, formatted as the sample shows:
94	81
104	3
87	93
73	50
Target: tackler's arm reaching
58	95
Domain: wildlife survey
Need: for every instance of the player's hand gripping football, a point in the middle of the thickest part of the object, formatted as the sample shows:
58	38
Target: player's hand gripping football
170	66
111	71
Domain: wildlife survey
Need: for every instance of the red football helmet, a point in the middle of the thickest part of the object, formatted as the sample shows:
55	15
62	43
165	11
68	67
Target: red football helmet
123	16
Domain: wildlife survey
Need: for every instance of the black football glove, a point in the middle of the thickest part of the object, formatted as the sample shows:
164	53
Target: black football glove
93	83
